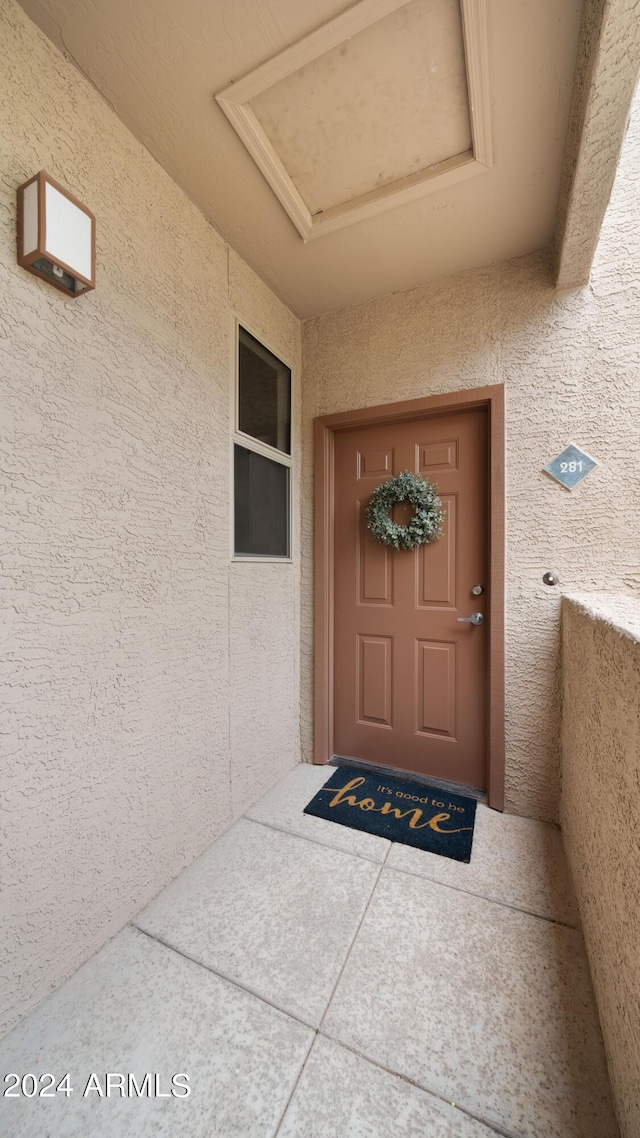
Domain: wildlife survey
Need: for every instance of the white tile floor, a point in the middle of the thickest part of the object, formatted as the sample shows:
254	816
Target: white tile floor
317	982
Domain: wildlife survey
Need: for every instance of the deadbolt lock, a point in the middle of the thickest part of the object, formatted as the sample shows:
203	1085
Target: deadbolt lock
477	591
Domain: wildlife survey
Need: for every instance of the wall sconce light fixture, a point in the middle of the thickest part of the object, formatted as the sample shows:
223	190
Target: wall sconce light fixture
56	236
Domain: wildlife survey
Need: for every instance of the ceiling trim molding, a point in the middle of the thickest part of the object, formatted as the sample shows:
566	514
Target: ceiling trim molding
476	46
235	102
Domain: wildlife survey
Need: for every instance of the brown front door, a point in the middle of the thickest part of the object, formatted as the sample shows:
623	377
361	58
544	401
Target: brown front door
410	680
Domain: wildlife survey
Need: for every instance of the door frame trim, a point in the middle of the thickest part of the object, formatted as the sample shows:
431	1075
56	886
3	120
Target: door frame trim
325	429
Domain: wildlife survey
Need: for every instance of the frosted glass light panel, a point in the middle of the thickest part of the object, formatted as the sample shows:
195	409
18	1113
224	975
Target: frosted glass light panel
264	394
56	236
261	505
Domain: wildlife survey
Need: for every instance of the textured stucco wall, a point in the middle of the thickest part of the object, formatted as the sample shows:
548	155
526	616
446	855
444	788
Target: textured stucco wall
570	364
601	817
606	75
137	660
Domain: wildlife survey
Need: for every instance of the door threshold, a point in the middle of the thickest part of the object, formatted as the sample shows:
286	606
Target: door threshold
399	772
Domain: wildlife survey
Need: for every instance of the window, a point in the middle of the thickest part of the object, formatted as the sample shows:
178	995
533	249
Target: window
261	452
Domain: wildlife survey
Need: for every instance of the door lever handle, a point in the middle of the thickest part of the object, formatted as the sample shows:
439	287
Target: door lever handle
475	618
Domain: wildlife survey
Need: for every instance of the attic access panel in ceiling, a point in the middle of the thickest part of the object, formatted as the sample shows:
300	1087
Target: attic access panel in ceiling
385	103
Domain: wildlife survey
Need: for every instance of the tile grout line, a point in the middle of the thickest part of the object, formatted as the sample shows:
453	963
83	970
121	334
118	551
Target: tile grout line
412	873
353	941
483	897
333	990
227	979
319	1030
255	995
294	1088
495	1126
316	842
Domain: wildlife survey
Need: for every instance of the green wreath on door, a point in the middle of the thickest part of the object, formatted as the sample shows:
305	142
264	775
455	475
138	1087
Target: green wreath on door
425	525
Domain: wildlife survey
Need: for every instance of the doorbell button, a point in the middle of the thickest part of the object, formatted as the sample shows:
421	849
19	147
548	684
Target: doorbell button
551	577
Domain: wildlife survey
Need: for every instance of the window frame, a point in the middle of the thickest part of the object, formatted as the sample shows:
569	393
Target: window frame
240	438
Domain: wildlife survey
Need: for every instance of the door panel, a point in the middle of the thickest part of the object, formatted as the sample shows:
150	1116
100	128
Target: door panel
437	569
436	702
410	682
375	564
435	457
375	462
375	679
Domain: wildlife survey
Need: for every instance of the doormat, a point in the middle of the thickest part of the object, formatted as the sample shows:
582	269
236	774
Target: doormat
401	811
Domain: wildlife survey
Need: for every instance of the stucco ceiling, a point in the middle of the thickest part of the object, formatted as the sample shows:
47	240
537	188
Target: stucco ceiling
384	105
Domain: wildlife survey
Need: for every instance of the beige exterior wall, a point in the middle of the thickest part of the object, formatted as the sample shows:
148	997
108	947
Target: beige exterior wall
569	363
601	818
134	649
